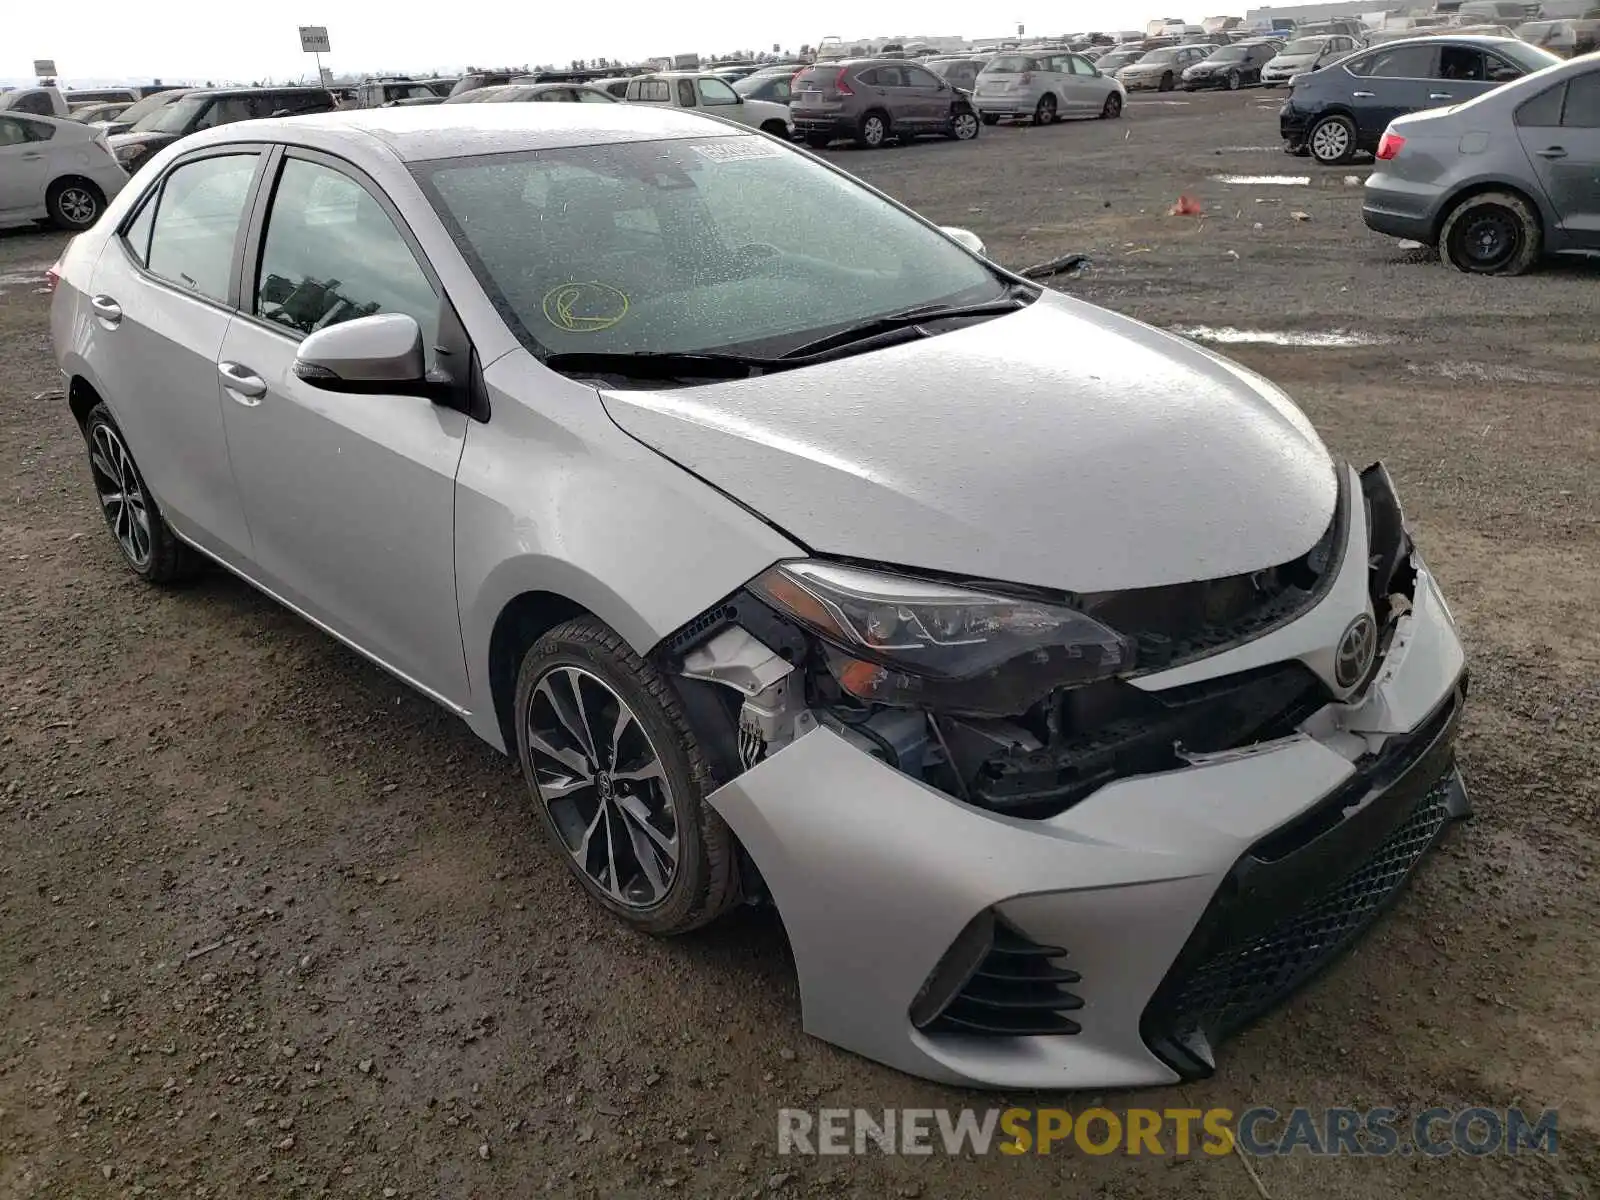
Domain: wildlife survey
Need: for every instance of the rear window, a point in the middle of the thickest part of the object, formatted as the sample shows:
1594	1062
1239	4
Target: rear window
1011	64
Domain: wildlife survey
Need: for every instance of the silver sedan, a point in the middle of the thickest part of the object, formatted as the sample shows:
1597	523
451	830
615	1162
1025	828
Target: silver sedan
1067	698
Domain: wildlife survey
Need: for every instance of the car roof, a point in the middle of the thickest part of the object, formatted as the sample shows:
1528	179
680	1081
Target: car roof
295	89
1462	39
422	132
70	124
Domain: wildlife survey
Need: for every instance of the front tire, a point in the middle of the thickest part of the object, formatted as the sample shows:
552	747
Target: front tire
1495	233
1112	108
620	781
74	204
1166	82
147	543
1333	141
964	125
1234	81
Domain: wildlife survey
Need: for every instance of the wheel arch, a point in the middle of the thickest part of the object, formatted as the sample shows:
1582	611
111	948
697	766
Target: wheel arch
82	397
522	621
774	127
1478	187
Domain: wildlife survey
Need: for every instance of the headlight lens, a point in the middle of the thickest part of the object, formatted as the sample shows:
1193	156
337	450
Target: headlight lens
913	642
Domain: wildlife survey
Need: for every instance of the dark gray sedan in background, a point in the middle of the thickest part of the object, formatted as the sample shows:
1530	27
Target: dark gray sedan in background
1501	180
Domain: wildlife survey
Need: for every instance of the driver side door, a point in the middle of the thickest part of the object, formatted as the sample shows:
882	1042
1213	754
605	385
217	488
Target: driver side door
350	498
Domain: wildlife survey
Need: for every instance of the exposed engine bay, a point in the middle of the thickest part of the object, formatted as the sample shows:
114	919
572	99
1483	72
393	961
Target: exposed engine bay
1048	714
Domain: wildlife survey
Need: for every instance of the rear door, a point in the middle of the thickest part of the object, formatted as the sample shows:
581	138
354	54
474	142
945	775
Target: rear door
24	164
1567	156
1388	84
1463	74
927	96
350	497
163	295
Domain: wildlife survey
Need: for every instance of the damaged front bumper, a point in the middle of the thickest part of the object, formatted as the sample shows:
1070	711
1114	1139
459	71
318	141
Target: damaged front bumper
1114	943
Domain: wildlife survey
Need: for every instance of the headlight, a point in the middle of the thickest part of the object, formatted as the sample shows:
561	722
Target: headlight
917	643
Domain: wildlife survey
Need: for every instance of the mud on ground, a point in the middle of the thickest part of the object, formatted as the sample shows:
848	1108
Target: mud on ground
270	925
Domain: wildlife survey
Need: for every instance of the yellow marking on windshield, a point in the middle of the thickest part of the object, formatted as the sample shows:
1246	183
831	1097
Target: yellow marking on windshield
585	307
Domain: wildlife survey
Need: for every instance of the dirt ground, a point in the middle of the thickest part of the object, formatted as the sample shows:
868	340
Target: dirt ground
271	925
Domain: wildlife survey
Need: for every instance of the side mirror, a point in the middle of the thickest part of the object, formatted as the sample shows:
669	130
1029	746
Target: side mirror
966	237
380	354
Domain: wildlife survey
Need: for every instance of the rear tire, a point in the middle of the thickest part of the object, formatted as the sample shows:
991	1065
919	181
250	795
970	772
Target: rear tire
145	540
649	848
1493	233
74	204
873	131
1045	113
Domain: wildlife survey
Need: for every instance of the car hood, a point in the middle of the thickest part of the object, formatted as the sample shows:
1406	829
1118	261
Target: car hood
765	110
1061	445
139	139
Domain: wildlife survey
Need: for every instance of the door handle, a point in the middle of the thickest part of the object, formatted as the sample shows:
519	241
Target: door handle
243	384
107	309
1440	96
1361	95
30	155
1553	152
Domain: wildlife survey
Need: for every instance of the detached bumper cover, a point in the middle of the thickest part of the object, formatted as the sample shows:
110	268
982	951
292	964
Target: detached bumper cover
1133	893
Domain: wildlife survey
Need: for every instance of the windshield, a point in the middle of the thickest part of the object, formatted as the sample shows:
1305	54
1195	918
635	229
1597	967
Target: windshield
1120	58
174	118
1166	54
1010	64
1229	54
1529	58
1304	46
701	245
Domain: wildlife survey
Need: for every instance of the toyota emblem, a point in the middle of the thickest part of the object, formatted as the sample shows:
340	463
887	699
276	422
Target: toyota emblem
1357	648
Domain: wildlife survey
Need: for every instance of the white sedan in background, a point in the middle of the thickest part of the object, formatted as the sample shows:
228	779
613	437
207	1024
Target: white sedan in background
59	170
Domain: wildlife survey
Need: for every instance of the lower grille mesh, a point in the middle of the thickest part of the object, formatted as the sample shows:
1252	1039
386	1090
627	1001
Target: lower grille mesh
1019	989
1223	993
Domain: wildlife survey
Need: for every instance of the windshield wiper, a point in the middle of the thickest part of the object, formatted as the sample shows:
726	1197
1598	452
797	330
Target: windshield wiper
909	318
662	364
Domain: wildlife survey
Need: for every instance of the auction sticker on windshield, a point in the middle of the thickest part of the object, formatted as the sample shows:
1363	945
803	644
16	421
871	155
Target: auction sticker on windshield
737	149
585	307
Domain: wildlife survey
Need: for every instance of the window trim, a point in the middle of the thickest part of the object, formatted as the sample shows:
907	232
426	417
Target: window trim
152	195
256	227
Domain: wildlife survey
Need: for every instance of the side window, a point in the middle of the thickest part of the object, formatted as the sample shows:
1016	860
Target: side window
1461	62
37	131
1405	62
1499	70
917	77
1079	66
715	91
870	78
591	96
332	254
197	222
780	91
137	236
12	133
686	93
1356	66
1544	110
1583	102
36	103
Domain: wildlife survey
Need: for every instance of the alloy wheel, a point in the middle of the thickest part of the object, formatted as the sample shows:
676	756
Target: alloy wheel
122	499
1045	114
1233	81
1330	141
966	126
78	205
604	786
872	131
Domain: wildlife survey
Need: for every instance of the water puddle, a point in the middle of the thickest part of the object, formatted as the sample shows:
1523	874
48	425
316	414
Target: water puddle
1333	339
24	276
1476	372
1268	180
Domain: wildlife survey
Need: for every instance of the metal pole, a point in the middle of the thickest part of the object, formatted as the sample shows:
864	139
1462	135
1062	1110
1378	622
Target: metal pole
319	68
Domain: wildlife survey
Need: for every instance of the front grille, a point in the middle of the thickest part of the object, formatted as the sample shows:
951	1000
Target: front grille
1201	1003
1019	989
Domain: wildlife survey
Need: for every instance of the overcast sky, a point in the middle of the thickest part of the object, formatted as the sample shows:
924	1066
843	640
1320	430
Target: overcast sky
212	39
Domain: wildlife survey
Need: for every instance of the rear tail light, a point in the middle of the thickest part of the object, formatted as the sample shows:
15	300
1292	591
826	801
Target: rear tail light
53	275
840	86
1389	146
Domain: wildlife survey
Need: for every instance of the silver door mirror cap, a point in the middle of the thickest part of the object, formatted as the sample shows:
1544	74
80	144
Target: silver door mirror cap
966	237
377	353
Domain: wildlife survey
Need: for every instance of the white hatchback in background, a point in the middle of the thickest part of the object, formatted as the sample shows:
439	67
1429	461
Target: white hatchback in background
699	90
59	170
1044	88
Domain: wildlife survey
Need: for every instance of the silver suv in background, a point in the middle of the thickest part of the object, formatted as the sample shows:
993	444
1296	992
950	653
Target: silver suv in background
1161	68
1044	87
871	100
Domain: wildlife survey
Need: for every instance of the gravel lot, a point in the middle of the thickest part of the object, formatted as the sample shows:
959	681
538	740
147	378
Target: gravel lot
272	926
